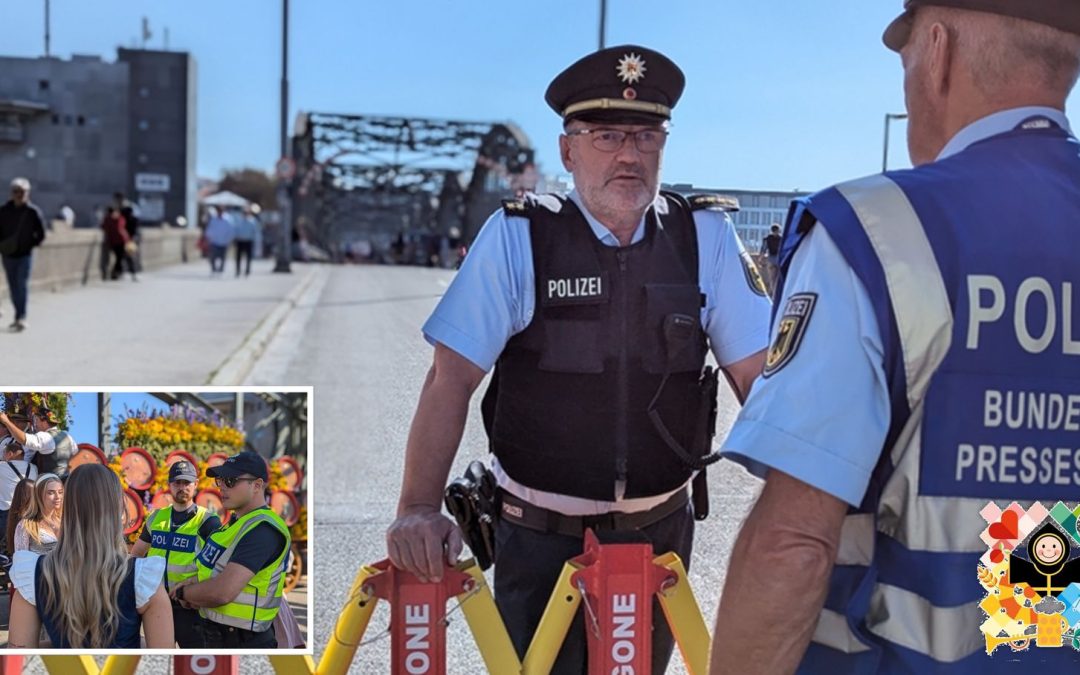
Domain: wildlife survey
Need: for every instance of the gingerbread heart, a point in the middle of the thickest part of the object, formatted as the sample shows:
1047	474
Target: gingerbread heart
1007	528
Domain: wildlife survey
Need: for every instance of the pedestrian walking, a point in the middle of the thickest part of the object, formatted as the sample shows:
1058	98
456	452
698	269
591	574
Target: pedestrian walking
245	232
22	229
119	243
219	234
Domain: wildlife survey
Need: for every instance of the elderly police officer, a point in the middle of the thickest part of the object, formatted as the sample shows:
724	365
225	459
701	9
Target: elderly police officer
598	310
912	303
177	533
241	569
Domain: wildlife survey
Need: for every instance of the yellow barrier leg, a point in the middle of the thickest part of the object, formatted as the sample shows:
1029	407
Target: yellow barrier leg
684	617
487	625
120	665
288	665
554	624
350	627
70	665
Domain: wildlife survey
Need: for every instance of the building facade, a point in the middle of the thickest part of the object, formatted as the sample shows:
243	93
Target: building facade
758	210
84	128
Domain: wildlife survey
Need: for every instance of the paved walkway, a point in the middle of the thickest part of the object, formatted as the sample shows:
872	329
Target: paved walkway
176	326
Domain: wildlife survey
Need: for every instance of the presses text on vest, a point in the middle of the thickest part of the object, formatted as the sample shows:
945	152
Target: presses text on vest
1040	316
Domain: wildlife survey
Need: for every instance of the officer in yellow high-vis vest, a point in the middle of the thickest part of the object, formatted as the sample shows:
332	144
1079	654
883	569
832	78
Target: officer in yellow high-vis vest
177	533
241	568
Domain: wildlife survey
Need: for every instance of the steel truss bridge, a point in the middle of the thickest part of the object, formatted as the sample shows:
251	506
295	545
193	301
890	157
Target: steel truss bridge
372	177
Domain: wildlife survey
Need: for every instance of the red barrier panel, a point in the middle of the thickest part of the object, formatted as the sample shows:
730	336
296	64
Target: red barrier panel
417	613
618	582
206	664
11	665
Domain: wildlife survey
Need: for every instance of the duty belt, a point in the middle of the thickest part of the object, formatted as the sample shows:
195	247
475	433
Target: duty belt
521	512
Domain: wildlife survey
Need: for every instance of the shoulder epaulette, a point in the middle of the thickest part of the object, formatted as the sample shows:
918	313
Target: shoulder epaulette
724	203
524	206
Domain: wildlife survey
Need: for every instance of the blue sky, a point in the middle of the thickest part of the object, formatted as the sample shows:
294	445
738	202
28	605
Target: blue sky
84	412
780	94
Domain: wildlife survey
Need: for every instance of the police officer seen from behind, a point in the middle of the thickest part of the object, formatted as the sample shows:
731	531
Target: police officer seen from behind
596	310
241	568
48	447
917	307
177	533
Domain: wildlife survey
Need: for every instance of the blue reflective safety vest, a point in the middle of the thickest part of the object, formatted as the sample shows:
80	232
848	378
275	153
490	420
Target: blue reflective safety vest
972	268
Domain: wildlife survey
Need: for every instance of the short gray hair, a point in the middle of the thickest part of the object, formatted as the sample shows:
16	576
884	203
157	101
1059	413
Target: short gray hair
21	183
1000	51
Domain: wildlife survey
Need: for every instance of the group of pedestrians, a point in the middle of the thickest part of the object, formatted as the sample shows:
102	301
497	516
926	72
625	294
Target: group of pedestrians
120	226
224	228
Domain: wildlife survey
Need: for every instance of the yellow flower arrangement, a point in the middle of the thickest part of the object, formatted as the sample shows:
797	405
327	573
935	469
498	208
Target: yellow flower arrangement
164	432
114	465
298	532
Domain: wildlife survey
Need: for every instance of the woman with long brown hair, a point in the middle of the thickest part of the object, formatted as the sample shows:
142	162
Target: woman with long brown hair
39	529
20	501
87	592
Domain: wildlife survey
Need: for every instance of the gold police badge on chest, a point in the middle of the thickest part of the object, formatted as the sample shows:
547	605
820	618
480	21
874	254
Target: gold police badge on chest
789	331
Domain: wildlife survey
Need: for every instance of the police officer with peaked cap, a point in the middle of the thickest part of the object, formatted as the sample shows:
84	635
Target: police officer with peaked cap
594	309
911	304
177	533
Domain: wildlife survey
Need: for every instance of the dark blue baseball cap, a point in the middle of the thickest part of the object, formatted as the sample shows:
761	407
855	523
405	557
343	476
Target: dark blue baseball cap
246	462
183	470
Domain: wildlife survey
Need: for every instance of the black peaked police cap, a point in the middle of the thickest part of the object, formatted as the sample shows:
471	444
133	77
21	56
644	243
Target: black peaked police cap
628	84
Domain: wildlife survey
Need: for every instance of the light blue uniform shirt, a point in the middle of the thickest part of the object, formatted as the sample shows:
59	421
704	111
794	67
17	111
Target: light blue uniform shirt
823	417
493	295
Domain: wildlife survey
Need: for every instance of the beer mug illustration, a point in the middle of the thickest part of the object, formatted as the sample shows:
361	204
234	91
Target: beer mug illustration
1051	625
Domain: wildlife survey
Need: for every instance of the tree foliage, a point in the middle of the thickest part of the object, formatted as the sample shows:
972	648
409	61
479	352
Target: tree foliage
253	185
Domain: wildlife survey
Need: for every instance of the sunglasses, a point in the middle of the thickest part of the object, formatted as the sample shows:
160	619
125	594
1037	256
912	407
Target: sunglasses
231	481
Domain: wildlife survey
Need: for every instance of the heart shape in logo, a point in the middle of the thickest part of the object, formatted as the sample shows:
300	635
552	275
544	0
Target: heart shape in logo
1007	528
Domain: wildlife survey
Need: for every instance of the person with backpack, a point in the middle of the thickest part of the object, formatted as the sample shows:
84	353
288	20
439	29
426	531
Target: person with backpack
13	469
22	228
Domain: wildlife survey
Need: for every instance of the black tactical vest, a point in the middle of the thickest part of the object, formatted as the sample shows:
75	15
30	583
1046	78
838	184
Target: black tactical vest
566	409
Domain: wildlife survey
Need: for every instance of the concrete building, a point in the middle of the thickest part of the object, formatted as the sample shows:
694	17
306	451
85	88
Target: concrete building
758	210
82	129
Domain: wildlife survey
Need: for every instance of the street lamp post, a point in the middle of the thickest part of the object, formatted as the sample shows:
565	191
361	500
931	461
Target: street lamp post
889	117
603	21
284	249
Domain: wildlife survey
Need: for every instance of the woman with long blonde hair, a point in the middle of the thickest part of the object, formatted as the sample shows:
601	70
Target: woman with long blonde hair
87	592
40	527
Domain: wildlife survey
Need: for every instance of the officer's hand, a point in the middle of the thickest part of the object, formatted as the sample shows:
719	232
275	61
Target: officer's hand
422	540
177	586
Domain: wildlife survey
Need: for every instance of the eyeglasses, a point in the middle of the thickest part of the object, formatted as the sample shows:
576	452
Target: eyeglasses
611	140
231	481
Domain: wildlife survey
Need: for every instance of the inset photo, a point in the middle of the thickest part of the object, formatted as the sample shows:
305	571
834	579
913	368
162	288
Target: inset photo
156	520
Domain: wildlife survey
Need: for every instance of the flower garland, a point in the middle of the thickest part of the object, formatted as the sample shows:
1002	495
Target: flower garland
23	403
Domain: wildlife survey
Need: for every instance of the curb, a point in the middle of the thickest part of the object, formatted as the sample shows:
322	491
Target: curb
238	364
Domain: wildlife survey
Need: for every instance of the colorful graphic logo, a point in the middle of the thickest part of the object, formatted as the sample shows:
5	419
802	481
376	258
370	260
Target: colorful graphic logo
1031	573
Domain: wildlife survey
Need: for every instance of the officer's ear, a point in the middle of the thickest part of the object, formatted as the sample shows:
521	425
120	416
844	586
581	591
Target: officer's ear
564	153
